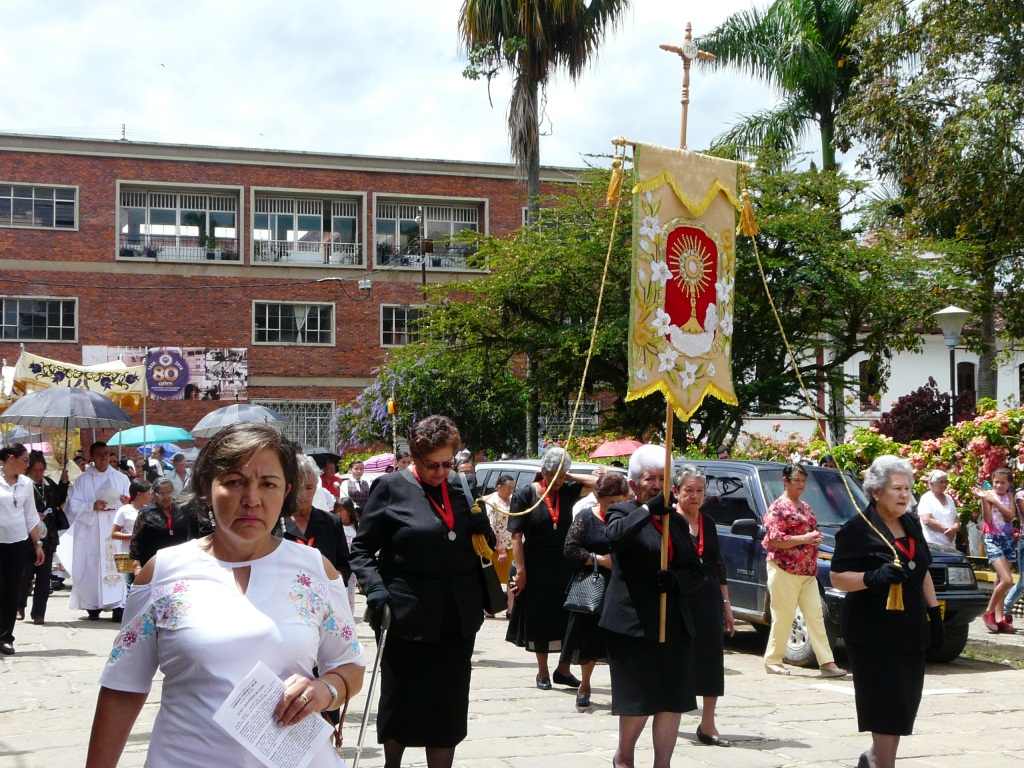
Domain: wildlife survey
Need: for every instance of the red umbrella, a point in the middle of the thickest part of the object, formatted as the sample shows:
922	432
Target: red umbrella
611	448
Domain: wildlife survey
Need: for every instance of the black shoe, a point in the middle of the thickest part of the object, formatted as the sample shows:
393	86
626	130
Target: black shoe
712	741
7	649
544	683
93	615
116	615
568	680
582	700
863	762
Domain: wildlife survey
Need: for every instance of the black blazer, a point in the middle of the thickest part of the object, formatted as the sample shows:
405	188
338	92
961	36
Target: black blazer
864	618
403	543
632	601
326	533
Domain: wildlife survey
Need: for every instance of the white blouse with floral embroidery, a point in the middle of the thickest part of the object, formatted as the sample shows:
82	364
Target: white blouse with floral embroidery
205	636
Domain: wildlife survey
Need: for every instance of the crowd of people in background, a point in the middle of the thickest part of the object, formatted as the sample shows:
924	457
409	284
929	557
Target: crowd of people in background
405	541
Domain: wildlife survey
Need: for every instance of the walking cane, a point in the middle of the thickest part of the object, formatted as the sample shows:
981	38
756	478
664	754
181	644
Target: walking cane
384	624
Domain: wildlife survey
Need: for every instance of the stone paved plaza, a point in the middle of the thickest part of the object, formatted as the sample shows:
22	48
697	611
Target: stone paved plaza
972	713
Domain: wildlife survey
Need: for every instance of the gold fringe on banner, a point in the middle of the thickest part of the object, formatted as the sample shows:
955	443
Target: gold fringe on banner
615	185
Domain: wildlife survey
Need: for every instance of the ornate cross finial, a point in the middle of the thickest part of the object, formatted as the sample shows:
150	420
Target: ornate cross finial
687	52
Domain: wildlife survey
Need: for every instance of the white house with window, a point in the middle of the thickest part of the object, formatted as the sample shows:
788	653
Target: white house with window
908	372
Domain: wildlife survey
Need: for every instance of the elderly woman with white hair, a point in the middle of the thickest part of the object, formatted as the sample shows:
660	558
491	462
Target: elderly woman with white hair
315	527
938	512
882	546
538	621
649	678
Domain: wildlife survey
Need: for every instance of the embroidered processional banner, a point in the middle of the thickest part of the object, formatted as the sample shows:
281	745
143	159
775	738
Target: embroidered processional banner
684	266
121	383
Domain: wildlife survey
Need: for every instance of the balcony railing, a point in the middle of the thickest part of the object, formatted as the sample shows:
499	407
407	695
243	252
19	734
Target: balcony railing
437	256
307	252
177	248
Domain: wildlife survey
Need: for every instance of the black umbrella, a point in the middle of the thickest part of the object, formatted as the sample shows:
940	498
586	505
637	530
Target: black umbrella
320	455
68	407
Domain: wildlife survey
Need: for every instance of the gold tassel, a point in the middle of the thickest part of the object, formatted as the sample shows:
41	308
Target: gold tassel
615	185
895	602
480	545
748	224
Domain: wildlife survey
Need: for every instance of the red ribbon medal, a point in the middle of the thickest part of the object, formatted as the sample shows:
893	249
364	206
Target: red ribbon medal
908	551
444	511
553	508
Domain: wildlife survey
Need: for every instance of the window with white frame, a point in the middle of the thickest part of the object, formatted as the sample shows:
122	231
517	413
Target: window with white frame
398	325
397	228
38	207
327	230
27	318
306	421
184	224
303	324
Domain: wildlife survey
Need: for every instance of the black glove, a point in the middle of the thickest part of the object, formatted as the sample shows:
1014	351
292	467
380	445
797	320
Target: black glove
936	630
479	523
657	505
667	583
377	599
890	573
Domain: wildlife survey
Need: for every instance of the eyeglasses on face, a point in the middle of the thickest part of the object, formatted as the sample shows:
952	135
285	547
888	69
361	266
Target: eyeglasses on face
434	466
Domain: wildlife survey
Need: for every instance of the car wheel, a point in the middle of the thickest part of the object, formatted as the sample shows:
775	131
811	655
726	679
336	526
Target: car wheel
953	645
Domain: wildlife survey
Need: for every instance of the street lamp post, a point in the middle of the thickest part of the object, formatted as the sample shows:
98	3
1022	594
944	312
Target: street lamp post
951	320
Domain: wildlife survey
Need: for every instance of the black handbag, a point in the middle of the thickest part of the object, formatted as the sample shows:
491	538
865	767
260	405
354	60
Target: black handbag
585	593
57	520
494	595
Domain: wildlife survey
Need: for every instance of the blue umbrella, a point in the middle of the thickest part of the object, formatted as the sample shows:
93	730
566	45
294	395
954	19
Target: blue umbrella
154	433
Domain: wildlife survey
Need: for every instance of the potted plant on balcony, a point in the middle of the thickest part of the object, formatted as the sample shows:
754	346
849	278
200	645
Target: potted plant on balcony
210	243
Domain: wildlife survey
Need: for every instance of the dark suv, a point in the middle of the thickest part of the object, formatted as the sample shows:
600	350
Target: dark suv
738	496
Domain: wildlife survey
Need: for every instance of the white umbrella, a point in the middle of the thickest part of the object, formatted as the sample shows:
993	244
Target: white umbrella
239	413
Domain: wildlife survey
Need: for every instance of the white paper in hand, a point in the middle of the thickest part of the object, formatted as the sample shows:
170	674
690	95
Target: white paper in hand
248	715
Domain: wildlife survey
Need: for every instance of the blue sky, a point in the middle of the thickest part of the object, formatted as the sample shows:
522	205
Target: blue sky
344	76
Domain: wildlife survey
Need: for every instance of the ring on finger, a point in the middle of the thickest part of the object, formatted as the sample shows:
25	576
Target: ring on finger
304	698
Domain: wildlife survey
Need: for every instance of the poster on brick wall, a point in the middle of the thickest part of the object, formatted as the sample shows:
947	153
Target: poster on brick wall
183	373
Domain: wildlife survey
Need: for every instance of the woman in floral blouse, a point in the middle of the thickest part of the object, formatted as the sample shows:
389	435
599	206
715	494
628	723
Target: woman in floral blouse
497	513
791	542
206	611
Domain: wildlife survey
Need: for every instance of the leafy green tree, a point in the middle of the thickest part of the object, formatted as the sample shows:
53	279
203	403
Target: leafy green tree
939	108
533	39
533	312
830	285
801	48
487	404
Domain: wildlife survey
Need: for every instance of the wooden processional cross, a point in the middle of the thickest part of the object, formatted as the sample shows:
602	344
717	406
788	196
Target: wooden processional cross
688	51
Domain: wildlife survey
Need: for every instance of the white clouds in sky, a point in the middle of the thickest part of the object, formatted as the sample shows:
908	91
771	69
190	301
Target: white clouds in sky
345	76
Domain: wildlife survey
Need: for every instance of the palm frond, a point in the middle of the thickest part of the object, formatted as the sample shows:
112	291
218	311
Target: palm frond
781	130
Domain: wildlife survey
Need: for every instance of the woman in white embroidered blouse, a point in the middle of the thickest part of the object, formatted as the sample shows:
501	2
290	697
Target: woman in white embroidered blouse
205	612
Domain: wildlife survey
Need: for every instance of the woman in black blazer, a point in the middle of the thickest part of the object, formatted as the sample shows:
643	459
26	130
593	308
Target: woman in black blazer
886	648
648	677
414	552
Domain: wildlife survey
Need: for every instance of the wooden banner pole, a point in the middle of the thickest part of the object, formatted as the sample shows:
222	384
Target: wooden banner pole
669	417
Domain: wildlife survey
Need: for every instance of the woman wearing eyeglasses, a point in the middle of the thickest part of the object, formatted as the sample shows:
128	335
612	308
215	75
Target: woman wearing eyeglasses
414	553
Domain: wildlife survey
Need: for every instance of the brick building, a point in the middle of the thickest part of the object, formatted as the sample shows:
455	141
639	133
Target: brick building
302	269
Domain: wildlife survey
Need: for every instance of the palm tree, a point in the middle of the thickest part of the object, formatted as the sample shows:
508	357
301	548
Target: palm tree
533	38
801	48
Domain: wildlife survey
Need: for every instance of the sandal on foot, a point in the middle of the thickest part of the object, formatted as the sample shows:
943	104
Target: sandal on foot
775	669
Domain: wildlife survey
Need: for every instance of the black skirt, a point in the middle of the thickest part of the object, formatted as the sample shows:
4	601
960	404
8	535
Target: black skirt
650	677
709	663
584	640
424	688
887	686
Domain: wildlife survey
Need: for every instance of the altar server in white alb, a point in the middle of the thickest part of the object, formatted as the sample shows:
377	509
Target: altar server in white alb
92	504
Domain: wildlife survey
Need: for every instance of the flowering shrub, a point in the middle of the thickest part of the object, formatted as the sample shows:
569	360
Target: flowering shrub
773	447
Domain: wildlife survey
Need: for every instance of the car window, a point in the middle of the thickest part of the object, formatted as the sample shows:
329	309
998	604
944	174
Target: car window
728	500
826	494
485	481
525	477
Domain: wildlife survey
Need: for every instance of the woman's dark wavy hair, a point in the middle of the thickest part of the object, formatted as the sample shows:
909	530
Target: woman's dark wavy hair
12	449
234	446
611	484
432	433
